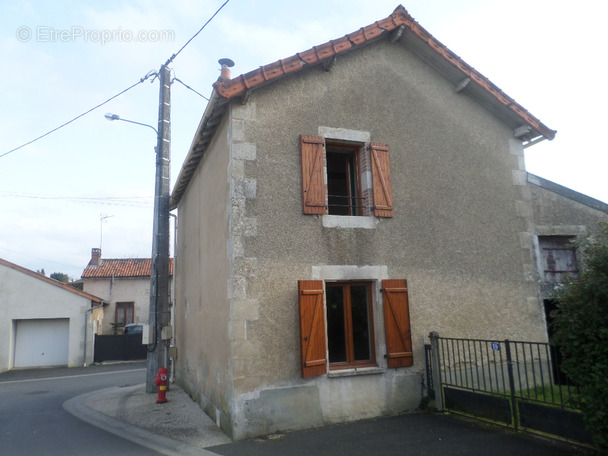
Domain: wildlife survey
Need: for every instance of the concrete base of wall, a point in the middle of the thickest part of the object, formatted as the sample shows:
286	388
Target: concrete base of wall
326	401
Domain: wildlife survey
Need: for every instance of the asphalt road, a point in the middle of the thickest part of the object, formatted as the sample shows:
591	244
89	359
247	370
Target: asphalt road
416	434
33	421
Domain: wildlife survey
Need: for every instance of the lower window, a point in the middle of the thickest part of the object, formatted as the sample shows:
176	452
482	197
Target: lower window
336	325
350	340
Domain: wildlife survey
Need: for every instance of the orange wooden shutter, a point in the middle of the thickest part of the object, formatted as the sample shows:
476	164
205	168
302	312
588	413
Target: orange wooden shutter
312	328
381	177
397	323
313	175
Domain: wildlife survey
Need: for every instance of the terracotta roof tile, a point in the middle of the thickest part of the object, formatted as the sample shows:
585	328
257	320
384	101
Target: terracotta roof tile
399	18
122	267
398	26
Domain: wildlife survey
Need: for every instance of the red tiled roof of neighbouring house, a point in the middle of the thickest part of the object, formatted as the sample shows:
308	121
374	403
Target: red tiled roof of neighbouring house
121	268
50	281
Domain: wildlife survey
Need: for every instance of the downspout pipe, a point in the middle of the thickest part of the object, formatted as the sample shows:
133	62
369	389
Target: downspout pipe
86	325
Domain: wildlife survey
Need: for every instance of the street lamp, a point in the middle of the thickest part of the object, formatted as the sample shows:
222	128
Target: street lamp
110	116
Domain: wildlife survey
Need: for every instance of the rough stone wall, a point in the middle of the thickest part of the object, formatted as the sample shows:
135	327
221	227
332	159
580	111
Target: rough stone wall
204	285
555	214
559	212
464	235
460	234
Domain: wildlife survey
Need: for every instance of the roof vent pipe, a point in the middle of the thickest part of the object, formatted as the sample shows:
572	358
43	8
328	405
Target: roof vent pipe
225	72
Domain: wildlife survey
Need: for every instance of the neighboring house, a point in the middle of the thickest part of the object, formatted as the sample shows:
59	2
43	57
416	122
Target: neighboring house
335	207
559	216
43	322
124	284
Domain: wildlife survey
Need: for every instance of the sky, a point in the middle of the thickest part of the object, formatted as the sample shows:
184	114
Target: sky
90	184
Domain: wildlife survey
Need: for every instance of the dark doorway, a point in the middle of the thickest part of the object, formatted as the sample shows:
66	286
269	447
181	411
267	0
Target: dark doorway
551	306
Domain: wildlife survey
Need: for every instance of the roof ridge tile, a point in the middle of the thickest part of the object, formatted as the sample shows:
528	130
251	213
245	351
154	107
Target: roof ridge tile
267	73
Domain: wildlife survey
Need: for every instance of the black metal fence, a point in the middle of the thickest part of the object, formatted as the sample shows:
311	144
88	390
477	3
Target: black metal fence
120	347
514	383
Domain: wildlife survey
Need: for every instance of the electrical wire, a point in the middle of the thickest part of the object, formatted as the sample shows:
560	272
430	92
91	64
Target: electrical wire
188	87
196	34
152	73
39	258
147	76
105	200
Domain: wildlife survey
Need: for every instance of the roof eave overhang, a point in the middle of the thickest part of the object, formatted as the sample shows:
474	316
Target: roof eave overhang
50	281
468	80
398	27
204	133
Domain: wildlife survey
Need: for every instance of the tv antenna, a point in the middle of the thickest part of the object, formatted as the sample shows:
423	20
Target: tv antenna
102	218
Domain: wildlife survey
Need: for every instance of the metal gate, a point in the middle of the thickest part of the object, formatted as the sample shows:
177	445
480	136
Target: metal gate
514	383
120	347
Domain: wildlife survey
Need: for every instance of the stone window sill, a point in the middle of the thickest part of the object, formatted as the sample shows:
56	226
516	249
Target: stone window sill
349	221
353	372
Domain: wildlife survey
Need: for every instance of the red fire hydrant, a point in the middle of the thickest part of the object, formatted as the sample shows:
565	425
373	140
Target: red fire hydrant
161	382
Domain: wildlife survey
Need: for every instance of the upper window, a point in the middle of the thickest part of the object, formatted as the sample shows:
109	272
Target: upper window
124	313
345	177
558	258
343	188
340	335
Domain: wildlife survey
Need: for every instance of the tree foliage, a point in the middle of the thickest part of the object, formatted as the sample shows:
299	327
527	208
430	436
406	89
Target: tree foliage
60	276
581	331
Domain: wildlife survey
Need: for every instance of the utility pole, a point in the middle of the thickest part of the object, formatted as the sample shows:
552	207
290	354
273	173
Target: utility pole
159	316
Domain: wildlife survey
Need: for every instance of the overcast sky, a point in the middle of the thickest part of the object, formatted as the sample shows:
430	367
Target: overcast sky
91	184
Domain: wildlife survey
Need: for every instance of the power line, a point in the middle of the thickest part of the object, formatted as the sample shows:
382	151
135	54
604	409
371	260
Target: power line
147	76
105	200
196	34
188	87
41	259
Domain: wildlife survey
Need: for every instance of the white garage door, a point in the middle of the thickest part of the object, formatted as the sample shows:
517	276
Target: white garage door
42	343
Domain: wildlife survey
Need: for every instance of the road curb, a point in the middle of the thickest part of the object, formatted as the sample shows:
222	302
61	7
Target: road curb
77	406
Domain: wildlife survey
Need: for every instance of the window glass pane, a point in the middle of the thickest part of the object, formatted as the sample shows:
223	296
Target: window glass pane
360	317
129	312
120	312
342	180
337	184
336	341
353	194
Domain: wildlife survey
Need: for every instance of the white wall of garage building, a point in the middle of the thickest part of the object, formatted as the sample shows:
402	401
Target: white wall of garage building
42	321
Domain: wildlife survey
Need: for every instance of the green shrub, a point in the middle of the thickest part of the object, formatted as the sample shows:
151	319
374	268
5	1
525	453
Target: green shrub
581	325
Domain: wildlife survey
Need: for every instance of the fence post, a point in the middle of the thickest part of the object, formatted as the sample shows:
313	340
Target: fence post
512	384
436	369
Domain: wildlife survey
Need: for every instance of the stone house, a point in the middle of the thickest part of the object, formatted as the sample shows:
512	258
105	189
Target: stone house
124	284
334	208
